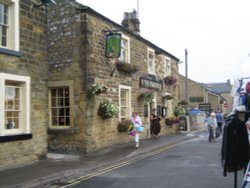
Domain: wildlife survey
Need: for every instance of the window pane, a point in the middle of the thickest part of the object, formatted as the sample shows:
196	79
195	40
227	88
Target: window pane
53	92
60	103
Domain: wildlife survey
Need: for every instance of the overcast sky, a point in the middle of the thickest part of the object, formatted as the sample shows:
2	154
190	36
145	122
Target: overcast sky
216	33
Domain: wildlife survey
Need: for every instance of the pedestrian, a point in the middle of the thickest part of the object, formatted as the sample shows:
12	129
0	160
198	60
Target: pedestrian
212	125
220	120
155	128
138	127
248	128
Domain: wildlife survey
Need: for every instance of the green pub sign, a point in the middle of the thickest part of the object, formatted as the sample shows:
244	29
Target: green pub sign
113	45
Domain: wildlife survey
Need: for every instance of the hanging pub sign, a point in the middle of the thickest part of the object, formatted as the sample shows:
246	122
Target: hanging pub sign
113	45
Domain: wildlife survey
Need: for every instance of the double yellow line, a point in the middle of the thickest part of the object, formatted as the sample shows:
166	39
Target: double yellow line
116	166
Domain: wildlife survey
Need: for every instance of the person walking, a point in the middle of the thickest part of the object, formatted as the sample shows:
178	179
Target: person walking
219	119
212	125
155	128
138	127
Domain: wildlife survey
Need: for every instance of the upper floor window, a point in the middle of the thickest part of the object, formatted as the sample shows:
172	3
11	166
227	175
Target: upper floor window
125	102
167	65
60	104
151	61
15	104
9	24
125	49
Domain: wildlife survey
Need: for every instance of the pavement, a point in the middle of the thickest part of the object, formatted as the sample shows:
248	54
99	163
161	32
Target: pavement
60	168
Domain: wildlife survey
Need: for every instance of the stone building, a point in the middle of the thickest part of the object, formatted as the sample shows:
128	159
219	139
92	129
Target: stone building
23	83
199	94
49	58
77	61
224	89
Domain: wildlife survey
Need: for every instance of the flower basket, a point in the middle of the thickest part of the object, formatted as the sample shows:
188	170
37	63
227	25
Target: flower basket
97	89
168	97
183	103
123	125
171	121
107	110
170	80
146	97
126	67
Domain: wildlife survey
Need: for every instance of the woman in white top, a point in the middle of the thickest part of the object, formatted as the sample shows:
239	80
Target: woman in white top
138	127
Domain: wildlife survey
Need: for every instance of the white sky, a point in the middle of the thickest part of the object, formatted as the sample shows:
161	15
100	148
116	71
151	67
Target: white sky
216	33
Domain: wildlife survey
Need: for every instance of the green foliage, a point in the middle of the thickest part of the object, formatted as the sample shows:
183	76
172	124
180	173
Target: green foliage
108	109
146	97
126	67
96	89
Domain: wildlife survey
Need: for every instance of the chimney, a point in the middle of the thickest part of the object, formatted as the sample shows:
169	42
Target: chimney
131	22
228	81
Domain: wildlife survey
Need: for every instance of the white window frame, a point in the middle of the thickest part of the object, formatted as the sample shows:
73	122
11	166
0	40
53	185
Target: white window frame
24	127
12	25
59	84
169	105
127	50
129	101
151	69
167	65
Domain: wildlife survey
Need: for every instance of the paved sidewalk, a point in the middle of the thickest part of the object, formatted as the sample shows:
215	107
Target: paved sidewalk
61	167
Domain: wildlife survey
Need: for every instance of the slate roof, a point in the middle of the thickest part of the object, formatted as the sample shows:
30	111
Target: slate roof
219	87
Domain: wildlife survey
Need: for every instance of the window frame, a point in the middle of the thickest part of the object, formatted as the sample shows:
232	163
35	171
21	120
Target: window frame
127	59
151	71
24	127
167	65
13	33
62	84
129	101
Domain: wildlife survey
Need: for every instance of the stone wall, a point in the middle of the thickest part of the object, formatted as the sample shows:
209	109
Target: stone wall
32	62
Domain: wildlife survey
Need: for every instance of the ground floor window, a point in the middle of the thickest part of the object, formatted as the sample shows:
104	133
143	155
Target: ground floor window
124	102
60	104
14	104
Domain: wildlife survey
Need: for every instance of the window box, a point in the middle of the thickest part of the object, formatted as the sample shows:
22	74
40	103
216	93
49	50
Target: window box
126	67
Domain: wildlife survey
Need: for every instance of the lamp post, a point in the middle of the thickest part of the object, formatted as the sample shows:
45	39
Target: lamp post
186	76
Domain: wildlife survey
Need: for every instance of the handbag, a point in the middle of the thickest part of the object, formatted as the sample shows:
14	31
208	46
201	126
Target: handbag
131	133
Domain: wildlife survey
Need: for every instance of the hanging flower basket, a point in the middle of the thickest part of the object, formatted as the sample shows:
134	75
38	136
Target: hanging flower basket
169	97
146	97
183	103
126	67
170	80
123	125
96	89
171	121
107	110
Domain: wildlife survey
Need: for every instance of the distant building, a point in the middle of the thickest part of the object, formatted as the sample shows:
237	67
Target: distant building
224	89
198	94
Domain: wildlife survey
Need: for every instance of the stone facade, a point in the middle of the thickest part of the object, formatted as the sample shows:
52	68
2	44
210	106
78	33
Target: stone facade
76	55
30	61
198	94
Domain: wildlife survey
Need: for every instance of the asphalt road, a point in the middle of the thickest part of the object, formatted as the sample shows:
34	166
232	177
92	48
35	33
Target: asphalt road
194	164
